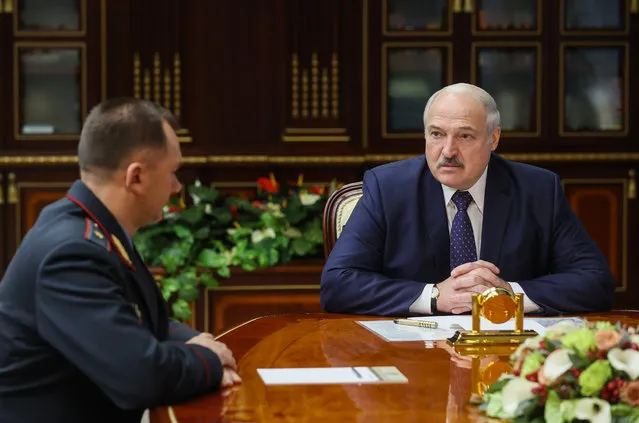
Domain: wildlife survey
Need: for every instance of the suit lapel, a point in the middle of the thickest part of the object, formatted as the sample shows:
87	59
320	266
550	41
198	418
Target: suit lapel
496	212
434	214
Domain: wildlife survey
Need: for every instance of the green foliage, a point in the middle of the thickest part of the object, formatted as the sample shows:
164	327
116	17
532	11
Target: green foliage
202	242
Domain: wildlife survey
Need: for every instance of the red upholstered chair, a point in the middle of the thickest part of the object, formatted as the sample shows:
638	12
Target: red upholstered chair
338	209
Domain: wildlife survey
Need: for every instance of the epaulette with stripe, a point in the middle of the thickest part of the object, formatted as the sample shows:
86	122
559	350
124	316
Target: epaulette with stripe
94	234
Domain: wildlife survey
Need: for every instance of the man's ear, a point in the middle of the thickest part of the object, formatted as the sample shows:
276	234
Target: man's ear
495	139
135	176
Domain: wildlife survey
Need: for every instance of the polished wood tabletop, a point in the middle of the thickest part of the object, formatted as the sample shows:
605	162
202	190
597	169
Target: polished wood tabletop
440	381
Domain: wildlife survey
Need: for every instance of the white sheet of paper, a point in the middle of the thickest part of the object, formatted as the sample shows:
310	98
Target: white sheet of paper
331	375
393	332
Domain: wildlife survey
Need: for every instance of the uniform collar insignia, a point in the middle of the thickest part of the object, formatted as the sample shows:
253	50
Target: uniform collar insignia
121	250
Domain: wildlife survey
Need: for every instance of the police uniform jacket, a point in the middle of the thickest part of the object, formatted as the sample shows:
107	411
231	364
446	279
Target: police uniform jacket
84	331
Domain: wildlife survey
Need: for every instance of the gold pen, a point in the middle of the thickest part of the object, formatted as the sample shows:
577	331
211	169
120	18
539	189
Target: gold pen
419	323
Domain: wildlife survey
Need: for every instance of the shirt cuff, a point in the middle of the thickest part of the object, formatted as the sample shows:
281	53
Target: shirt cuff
529	305
422	303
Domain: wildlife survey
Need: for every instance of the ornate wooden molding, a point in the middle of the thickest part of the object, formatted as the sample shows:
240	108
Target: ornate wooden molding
355	159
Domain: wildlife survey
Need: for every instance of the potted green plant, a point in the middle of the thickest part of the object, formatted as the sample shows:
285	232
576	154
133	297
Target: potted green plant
202	239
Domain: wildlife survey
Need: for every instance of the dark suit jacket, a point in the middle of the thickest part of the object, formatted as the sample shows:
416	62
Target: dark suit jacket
85	334
397	240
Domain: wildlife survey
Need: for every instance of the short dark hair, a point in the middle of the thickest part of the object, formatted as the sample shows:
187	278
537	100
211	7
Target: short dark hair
115	128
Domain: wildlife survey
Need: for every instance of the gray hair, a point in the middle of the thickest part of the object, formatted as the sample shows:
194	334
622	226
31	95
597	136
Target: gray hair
493	119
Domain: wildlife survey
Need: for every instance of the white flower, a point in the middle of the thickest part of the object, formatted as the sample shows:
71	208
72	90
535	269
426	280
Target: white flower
208	209
308	199
557	363
561	328
593	410
530	344
634	339
625	361
257	236
515	392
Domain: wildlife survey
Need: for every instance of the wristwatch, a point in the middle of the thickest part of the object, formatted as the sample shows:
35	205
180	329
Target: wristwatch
434	295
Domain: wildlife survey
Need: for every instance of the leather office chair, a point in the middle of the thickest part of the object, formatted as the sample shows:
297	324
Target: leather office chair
338	209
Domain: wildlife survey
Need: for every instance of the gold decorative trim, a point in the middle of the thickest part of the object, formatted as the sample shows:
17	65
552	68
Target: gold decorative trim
315	130
367	158
314	86
335	86
1	7
632	184
79	45
295	90
315	138
137	85
147	84
156	78
167	89
365	74
634	6
177	87
468	6
1	180
8	8
324	85
447	72
103	49
626	88
304	93
456	7
506	33
12	190
624	222
538	77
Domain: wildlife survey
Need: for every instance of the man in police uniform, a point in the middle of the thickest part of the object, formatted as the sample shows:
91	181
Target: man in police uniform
84	331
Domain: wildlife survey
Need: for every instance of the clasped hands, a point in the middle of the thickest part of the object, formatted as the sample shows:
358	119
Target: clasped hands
229	376
455	293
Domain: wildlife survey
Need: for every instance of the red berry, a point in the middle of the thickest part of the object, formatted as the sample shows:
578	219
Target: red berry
611	386
615	393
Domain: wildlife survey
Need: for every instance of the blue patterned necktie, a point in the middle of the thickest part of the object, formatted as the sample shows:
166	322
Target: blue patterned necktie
462	239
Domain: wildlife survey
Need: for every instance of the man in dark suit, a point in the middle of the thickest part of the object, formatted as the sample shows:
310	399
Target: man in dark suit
430	231
85	334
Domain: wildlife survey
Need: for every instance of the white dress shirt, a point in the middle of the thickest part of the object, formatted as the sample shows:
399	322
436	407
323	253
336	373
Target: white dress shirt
476	214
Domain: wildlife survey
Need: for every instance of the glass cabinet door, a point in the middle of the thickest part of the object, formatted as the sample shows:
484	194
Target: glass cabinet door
411	73
50	17
416	17
594	17
594	89
511	74
507	17
50	84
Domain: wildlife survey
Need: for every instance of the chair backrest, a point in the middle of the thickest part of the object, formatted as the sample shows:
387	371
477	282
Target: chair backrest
338	209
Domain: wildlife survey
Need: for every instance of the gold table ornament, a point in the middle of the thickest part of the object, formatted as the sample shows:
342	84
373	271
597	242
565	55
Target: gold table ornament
497	305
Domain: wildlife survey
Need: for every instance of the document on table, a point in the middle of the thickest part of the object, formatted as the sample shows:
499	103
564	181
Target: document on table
446	328
331	375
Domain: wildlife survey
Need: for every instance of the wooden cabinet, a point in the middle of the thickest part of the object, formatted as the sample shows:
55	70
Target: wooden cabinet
51	73
327	88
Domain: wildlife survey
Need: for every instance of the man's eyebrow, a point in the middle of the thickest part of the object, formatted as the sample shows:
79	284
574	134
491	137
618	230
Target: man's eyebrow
466	128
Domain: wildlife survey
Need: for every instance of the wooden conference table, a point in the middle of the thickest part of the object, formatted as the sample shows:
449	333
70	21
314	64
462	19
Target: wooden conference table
440	381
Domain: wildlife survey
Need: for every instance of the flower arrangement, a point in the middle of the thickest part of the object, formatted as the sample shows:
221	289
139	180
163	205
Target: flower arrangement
200	242
572	374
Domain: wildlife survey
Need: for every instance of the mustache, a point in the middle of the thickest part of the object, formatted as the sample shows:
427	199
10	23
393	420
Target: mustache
450	162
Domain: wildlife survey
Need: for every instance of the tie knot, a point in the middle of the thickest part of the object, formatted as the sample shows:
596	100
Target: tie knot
462	199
